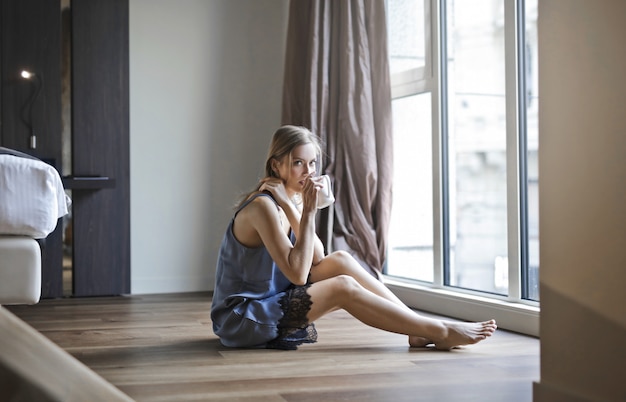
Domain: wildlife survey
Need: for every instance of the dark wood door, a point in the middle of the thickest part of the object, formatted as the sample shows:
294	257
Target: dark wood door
100	141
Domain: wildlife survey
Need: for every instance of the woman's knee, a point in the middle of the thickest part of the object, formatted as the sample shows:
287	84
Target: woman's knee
340	255
343	260
345	285
335	264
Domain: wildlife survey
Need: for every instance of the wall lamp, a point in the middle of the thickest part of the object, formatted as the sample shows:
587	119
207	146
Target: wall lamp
37	82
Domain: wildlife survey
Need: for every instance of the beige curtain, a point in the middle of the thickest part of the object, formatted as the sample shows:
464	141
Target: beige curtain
337	84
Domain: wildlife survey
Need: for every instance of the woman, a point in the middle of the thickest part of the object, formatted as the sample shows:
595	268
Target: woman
273	279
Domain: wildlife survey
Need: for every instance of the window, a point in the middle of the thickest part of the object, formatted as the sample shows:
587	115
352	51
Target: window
464	88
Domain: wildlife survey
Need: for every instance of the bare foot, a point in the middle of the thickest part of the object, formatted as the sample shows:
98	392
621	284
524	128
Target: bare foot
418	341
465	333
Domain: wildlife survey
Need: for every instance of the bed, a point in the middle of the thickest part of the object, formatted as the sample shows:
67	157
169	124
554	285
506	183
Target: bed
32	199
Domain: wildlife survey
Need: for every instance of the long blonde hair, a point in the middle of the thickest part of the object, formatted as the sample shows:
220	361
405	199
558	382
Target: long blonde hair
284	141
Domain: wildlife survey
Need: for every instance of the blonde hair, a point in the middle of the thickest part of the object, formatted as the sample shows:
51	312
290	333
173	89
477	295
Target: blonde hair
284	141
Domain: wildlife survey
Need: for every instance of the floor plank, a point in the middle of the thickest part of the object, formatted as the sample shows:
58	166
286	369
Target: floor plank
162	348
32	368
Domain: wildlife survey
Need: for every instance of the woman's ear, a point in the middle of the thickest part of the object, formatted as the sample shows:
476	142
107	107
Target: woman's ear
275	168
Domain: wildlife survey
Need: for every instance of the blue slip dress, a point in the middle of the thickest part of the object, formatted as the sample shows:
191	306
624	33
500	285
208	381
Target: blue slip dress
254	305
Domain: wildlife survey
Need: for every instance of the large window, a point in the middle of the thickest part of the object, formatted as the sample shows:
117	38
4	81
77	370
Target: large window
464	86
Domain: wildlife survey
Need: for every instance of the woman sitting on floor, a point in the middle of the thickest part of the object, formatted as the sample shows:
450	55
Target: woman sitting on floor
273	279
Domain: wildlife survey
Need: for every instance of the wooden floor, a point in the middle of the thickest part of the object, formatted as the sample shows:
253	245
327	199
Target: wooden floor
162	348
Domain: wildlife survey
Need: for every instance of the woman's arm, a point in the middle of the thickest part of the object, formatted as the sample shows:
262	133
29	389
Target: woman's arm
259	223
294	215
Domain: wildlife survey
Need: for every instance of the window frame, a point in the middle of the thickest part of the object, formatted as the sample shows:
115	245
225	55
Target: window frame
513	311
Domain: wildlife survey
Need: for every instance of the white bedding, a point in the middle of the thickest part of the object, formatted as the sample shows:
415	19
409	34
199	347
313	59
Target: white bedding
32	197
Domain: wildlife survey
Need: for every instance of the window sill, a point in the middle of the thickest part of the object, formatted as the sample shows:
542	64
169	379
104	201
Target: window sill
517	317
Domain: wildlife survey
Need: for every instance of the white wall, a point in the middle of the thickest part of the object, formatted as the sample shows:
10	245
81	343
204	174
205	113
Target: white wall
205	97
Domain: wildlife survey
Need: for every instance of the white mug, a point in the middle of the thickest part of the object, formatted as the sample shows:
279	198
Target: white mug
325	196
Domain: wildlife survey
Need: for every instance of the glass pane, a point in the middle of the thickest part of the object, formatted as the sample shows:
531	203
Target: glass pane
477	146
405	23
532	146
411	228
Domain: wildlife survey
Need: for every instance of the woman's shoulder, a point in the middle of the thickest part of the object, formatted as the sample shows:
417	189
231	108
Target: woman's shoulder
262	198
258	212
259	203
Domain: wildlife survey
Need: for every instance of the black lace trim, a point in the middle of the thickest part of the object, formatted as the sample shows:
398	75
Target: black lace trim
294	328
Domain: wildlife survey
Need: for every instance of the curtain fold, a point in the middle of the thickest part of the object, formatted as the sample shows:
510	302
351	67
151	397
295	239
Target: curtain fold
337	84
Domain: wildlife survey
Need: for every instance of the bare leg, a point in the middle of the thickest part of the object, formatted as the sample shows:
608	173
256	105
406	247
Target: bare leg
342	263
345	292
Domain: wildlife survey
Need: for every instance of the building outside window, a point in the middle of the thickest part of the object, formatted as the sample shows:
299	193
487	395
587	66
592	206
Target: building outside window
464	87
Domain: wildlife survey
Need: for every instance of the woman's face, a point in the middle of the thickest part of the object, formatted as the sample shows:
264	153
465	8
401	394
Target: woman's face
303	165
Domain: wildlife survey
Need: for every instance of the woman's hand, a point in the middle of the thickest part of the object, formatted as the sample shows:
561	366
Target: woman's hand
310	190
277	188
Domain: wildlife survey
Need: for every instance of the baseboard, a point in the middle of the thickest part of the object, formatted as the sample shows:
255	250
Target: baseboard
545	393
